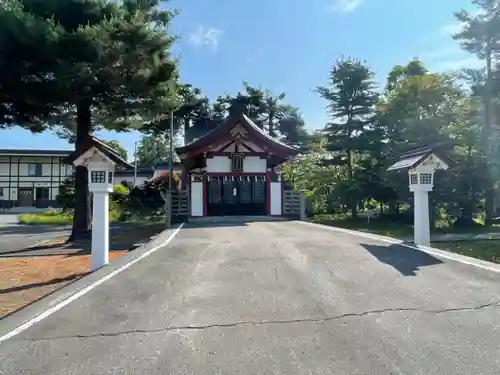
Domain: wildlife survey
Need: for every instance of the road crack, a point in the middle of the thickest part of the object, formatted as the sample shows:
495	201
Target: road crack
268	322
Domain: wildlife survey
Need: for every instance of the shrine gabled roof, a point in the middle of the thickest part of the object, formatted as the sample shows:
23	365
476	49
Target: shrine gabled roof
224	129
102	147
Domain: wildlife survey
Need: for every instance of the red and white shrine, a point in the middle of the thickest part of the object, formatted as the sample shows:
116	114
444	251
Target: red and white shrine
235	170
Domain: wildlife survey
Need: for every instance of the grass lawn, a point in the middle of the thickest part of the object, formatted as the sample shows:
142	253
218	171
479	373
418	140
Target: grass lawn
488	250
57	218
375	226
45	218
391	228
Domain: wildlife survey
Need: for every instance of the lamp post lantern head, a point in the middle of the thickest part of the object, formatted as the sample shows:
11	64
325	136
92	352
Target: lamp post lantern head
100	169
421	165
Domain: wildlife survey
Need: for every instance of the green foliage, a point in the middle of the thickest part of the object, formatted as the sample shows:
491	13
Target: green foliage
119	149
100	63
153	150
92	64
120	193
350	97
45	218
485	250
66	196
480	35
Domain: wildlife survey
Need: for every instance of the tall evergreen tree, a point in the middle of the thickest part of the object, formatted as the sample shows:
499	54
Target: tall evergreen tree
480	35
152	150
351	98
83	65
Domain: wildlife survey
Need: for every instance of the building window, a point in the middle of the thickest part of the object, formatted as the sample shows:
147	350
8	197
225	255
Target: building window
42	193
1	193
426	178
34	169
237	162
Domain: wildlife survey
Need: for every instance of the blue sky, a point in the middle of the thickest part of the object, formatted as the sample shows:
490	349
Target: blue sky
289	47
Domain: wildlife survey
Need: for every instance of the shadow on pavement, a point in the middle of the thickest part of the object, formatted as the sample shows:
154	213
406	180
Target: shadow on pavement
31	229
229	221
120	238
19	288
405	260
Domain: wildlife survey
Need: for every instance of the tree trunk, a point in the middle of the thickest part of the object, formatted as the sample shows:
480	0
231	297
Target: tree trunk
490	192
466	218
352	197
82	222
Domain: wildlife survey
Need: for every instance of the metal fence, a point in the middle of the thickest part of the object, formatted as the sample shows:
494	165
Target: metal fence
180	206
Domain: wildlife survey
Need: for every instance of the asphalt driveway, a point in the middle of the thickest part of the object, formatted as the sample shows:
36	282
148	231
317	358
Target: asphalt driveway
273	298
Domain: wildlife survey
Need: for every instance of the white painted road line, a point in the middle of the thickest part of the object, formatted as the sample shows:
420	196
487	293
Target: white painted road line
429	250
23	327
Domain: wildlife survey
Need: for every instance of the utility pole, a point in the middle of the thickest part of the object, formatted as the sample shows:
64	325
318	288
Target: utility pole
170	169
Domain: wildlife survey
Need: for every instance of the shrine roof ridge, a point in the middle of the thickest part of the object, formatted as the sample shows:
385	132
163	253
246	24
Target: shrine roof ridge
223	129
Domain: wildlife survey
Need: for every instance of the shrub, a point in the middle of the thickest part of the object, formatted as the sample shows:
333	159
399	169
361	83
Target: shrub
120	193
66	196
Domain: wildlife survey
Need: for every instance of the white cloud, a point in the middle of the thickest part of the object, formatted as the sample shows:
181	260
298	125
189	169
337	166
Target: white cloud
456	26
450	57
451	29
452	64
346	6
206	37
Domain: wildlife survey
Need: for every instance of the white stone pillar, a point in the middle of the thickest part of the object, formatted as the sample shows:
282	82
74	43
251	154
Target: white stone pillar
422	231
100	230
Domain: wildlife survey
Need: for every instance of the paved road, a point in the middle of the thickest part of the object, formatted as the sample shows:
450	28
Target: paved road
15	237
273	298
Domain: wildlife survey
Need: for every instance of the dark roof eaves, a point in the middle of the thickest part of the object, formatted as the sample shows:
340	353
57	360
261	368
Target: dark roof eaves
21	152
230	121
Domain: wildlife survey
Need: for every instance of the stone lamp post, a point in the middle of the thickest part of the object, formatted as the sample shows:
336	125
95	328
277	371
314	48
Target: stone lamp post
101	169
421	165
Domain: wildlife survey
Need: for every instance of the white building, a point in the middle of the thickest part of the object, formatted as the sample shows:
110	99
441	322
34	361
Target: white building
30	178
235	170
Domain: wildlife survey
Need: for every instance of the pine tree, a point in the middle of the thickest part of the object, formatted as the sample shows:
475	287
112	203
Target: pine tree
351	98
480	35
92	64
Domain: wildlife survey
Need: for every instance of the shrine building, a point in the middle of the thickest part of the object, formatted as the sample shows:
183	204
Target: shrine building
235	170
